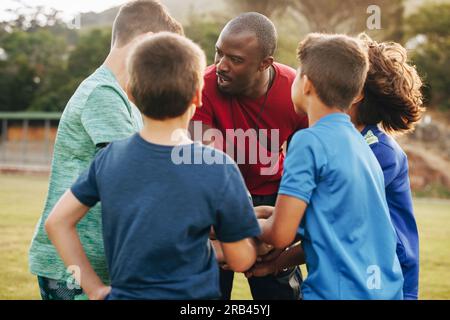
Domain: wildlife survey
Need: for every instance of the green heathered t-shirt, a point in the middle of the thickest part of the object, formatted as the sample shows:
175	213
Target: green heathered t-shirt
98	112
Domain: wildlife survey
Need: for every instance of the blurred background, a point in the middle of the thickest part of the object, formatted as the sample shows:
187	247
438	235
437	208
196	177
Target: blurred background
48	47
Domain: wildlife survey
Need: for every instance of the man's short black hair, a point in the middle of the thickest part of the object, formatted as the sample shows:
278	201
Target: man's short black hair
260	25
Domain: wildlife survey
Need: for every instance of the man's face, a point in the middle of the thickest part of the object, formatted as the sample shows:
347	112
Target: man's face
238	60
297	93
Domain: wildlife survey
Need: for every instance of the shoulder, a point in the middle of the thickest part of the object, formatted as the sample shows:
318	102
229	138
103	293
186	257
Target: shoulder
117	148
215	160
284	72
103	85
107	92
309	138
385	148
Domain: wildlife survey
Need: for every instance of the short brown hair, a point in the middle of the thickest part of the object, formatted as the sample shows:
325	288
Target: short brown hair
165	71
139	17
336	65
392	92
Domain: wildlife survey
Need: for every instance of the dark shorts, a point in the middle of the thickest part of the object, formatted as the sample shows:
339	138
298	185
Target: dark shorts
60	290
284	286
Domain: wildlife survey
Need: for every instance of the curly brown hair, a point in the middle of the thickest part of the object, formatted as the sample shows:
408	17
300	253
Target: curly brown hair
392	91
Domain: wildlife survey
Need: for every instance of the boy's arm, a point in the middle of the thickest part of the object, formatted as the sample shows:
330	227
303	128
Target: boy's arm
218	250
240	255
61	229
292	256
281	228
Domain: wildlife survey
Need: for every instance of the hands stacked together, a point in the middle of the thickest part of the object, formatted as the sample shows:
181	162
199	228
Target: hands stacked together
266	263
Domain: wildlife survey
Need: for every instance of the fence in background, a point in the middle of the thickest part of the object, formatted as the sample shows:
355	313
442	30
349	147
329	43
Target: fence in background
27	140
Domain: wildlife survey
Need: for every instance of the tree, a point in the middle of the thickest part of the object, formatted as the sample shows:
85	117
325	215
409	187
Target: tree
205	33
429	30
42	61
332	16
31	60
269	8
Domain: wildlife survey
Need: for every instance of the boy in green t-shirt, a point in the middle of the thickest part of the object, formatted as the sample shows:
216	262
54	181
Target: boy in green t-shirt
98	113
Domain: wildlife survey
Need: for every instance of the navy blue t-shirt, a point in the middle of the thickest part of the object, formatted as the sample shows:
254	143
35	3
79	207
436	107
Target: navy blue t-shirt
394	163
157	215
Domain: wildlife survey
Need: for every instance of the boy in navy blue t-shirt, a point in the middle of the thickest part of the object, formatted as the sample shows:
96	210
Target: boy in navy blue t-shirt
397	107
160	192
332	189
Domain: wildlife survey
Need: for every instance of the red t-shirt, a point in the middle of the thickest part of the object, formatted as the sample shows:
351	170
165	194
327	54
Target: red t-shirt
222	111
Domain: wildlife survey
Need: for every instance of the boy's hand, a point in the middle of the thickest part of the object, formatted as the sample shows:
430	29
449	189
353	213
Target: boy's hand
100	293
263	212
262	248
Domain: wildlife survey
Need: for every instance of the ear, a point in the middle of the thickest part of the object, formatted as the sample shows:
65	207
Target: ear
266	63
358	98
128	92
197	99
307	86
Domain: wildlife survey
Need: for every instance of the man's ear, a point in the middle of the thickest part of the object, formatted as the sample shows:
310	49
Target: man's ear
128	92
266	63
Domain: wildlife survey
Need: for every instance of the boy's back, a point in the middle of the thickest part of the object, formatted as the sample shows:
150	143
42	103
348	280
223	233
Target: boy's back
394	163
347	234
157	217
98	112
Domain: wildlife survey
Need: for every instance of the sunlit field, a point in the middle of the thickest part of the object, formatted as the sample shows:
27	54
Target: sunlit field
22	200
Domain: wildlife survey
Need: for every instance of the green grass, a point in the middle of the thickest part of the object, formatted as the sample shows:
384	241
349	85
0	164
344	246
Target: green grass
22	199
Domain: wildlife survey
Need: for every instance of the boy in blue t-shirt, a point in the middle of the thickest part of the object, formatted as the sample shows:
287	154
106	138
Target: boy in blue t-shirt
332	190
387	101
160	192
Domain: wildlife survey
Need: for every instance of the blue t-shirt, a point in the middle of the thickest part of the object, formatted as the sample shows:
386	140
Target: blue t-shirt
346	232
394	163
157	215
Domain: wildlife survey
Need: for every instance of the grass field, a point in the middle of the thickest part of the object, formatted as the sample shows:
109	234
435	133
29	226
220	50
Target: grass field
22	199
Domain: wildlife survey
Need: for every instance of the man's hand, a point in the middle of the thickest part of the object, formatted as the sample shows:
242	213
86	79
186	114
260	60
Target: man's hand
272	255
262	269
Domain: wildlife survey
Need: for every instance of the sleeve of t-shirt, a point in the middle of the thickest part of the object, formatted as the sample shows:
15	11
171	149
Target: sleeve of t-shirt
304	165
236	217
85	188
204	113
106	116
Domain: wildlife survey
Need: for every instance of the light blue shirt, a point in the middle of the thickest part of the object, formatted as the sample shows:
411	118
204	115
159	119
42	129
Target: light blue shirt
347	235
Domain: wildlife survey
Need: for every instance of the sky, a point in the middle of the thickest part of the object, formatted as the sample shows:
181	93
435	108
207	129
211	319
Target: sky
69	8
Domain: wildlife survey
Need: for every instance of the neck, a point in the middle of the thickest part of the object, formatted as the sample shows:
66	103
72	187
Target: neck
352	112
116	62
262	85
317	110
170	132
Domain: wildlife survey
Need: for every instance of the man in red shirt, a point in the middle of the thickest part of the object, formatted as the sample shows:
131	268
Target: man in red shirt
247	97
